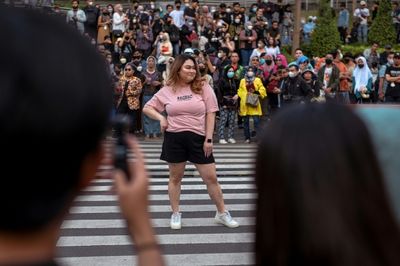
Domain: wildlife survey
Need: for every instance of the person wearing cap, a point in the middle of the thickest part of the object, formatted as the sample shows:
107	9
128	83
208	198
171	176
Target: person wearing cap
248	42
343	22
295	90
328	76
314	84
392	94
361	15
250	84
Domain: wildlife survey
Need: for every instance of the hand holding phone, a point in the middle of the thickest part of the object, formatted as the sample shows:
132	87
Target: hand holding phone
121	127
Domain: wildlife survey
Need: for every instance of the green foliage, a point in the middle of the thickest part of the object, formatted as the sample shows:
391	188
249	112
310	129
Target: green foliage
382	29
325	37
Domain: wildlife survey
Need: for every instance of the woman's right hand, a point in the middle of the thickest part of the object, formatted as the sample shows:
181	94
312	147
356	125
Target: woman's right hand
163	124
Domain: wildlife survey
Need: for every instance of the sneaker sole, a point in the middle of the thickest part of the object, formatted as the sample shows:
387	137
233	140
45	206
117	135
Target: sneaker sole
227	225
176	227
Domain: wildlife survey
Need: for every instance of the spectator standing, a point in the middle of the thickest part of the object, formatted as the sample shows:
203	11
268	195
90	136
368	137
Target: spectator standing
250	85
173	32
248	42
371	54
120	21
287	25
362	81
103	25
329	77
295	90
272	47
361	15
392	94
260	24
382	72
144	40
76	17
274	32
396	19
383	56
177	15
228	100
151	86
259	50
343	90
343	22
129	101
92	15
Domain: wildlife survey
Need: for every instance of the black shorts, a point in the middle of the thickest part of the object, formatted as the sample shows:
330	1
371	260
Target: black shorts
179	147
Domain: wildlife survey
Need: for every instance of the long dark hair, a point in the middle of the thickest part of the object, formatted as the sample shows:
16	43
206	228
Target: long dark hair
321	194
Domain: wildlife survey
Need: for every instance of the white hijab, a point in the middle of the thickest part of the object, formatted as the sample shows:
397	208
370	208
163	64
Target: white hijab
361	75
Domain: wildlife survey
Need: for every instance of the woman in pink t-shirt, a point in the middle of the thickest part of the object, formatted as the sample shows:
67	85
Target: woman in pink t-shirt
190	104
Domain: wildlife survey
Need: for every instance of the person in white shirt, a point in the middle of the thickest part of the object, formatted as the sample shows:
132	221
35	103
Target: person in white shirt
361	14
177	15
120	21
76	17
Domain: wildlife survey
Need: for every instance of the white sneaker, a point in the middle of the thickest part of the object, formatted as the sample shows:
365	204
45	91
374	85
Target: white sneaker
226	219
231	140
176	222
223	141
247	141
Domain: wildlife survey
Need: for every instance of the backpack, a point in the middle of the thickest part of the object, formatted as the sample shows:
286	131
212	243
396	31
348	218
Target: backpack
174	35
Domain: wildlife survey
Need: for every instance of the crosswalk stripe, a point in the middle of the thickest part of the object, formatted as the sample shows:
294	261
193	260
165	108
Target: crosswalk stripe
119	223
161	208
163	239
166	198
94	233
244	258
184	187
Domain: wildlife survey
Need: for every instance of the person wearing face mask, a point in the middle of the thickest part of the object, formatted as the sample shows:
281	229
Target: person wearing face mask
381	76
235	28
76	17
250	85
259	50
248	42
362	81
177	15
295	90
329	77
220	63
92	14
228	101
103	25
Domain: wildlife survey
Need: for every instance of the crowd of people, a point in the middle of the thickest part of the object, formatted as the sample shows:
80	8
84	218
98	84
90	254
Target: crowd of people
316	204
238	52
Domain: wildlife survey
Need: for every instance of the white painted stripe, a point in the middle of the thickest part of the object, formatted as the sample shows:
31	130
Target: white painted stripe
216	155
193	172
184	187
79	241
165	197
160	208
118	223
171	260
186	179
190	166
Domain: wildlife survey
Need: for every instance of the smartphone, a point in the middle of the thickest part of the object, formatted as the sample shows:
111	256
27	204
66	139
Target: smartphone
121	129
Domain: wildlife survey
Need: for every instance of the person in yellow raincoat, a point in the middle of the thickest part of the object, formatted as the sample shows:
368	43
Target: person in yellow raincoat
250	84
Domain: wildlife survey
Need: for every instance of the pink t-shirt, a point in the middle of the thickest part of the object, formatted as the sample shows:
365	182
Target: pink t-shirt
186	110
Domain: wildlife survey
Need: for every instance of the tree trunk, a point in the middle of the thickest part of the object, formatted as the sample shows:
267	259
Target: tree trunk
296	30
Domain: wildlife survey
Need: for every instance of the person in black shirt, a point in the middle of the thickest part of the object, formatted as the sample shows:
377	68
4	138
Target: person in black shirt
296	90
393	78
92	14
61	109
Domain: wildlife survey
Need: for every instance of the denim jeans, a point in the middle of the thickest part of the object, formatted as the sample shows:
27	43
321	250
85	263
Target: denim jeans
245	56
150	126
362	33
246	124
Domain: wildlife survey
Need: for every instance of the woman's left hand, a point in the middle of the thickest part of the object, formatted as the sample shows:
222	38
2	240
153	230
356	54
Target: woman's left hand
207	148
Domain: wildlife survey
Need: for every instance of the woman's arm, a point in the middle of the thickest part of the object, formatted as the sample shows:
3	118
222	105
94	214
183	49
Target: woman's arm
152	113
210	122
